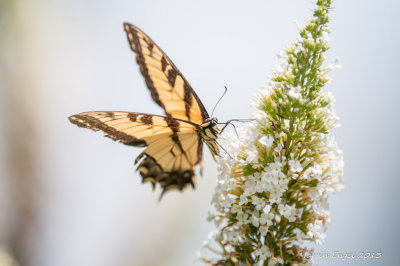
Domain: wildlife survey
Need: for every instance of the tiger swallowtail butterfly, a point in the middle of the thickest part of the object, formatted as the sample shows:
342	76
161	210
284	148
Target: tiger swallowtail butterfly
175	141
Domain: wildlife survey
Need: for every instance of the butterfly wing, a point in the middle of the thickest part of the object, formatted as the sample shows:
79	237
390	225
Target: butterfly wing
174	147
167	85
165	163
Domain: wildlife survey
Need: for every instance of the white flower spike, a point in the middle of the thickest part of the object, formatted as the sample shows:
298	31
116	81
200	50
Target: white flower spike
272	194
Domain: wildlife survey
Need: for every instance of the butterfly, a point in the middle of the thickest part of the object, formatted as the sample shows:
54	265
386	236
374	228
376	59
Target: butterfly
173	142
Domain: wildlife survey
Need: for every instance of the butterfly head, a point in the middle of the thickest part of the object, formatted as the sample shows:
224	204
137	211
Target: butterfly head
210	128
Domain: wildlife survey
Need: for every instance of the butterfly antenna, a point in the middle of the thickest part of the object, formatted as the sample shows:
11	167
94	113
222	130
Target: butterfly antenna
226	89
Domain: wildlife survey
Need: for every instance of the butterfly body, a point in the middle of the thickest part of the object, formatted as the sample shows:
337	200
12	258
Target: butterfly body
209	133
175	141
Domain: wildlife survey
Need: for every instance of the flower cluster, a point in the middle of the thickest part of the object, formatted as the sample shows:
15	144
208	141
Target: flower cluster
274	180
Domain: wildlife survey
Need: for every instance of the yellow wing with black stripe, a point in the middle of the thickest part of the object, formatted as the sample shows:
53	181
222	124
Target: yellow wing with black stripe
174	147
167	85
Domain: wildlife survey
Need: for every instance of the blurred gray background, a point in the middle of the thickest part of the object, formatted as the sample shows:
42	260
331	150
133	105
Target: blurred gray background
69	196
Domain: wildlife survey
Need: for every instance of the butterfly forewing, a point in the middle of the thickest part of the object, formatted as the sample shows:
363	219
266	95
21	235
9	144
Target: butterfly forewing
130	128
167	85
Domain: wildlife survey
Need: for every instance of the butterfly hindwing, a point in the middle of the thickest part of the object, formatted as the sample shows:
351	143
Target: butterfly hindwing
166	164
174	147
167	85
